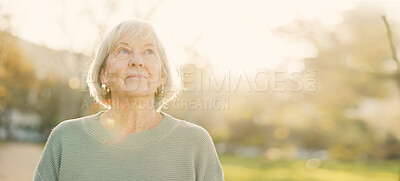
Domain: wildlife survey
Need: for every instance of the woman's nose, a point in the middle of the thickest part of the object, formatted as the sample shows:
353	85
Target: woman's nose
135	60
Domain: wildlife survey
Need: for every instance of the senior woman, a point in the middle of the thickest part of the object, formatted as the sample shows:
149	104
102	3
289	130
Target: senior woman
132	139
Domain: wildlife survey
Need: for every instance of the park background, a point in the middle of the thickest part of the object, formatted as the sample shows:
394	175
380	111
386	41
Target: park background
288	90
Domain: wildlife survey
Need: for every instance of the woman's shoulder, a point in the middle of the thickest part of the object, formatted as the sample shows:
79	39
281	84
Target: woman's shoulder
71	125
192	130
186	125
192	127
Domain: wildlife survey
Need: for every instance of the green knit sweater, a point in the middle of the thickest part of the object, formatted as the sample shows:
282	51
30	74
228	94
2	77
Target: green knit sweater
173	150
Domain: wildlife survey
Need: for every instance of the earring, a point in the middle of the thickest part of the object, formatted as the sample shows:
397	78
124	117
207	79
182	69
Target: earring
105	89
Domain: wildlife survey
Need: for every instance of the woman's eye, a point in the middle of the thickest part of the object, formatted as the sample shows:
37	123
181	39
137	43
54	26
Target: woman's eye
149	51
122	54
123	51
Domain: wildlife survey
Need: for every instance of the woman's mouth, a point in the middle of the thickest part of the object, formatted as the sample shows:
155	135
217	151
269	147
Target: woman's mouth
135	76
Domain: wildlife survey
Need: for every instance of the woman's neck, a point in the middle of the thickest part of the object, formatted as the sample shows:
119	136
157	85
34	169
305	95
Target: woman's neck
131	115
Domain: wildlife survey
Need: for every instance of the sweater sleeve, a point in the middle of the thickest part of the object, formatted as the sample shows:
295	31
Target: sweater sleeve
207	164
49	165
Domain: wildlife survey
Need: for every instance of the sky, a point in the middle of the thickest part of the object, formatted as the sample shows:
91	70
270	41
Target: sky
226	33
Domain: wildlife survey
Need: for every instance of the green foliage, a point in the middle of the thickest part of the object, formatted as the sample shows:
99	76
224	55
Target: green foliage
388	149
247	133
353	140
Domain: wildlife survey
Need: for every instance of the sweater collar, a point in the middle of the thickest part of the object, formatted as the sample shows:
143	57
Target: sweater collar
94	128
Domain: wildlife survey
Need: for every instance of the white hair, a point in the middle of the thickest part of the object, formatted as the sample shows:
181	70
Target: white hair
173	84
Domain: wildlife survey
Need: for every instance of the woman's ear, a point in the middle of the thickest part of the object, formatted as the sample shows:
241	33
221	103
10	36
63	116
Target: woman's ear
102	75
162	79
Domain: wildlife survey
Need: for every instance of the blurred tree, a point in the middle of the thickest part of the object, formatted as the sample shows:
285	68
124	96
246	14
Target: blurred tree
49	105
396	74
352	141
17	77
352	65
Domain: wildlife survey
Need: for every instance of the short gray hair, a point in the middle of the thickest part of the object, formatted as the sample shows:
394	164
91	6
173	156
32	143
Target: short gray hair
173	84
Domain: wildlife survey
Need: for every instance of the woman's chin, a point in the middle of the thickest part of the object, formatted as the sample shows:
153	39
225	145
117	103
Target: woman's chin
136	93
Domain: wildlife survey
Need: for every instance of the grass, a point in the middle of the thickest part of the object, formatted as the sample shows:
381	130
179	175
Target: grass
253	169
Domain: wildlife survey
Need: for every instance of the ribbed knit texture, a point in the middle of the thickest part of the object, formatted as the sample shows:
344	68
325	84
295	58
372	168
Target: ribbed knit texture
173	150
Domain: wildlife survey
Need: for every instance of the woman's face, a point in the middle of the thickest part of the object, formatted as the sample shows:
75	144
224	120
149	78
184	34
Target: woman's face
133	66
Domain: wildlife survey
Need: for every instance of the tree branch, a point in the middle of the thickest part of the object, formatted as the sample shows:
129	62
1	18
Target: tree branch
392	48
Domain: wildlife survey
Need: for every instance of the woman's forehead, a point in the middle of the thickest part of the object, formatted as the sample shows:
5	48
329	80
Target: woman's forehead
133	37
